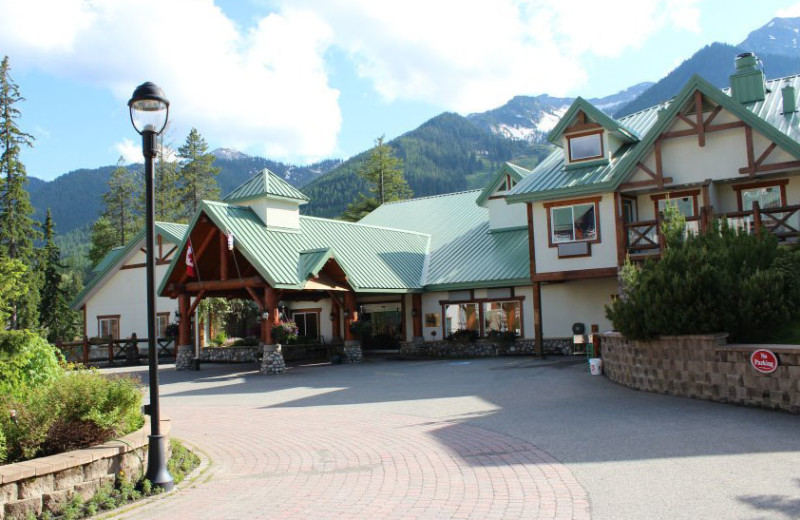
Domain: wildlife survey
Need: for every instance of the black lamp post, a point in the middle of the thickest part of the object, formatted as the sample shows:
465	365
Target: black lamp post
149	114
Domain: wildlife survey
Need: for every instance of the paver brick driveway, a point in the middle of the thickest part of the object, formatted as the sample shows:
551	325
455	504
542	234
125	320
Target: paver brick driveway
470	439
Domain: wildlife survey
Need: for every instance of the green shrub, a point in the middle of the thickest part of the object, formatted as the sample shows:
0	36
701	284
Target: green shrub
723	281
80	408
463	336
26	359
2	446
218	339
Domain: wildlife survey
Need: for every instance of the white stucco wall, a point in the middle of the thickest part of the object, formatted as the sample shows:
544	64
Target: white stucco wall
125	293
503	215
604	253
578	301
276	213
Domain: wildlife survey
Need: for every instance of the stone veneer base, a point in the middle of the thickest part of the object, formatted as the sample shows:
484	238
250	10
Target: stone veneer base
47	483
483	348
703	367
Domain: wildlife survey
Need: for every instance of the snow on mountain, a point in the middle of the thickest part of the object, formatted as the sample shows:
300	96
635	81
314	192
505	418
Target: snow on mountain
779	36
530	118
229	154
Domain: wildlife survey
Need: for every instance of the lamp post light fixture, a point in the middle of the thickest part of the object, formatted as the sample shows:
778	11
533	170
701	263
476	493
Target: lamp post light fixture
149	110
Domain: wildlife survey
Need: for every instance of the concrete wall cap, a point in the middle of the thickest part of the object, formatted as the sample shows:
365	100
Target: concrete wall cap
780	349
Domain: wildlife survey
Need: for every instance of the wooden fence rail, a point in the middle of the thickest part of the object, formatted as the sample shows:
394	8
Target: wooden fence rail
109	350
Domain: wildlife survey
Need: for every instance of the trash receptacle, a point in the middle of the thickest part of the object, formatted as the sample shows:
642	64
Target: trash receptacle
596	366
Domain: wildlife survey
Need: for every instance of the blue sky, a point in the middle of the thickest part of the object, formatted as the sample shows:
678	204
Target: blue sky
302	80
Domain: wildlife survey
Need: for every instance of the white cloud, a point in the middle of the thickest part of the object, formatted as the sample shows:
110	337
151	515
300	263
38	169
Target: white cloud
789	12
264	88
129	151
472	55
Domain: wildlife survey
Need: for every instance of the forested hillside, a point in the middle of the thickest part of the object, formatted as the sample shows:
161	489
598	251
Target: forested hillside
714	63
448	153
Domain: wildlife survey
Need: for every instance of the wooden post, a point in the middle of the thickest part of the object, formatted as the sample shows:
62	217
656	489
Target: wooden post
622	243
336	324
223	256
273	315
85	349
756	217
662	242
110	350
183	321
416	314
350	315
537	319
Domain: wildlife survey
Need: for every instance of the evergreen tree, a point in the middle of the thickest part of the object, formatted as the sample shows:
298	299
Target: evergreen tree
383	172
17	231
104	238
123	201
198	174
165	183
13	276
55	315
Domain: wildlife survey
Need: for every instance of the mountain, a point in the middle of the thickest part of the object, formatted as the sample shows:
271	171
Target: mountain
531	117
83	189
780	36
447	153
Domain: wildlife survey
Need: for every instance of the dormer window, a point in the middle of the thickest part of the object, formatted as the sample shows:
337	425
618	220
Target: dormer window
585	147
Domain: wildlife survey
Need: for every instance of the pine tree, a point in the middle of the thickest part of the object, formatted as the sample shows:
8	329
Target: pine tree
55	315
123	202
103	239
198	174
383	172
17	231
166	182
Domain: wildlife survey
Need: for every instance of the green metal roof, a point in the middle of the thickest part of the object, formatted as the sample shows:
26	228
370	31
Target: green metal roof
623	131
266	184
463	252
109	259
516	172
375	259
169	231
552	179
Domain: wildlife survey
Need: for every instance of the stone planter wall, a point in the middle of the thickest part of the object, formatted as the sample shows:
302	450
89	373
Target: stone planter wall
703	367
483	348
230	354
48	483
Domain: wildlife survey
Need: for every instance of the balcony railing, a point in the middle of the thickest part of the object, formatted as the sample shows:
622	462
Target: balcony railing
107	350
644	238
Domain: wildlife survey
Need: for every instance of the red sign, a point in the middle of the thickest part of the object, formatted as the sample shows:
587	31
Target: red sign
765	361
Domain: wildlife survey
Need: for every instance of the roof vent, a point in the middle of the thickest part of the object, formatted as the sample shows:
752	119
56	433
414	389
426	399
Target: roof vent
747	83
789	99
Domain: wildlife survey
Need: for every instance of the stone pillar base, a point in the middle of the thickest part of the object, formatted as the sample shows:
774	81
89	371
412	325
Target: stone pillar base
183	360
132	354
272	363
352	352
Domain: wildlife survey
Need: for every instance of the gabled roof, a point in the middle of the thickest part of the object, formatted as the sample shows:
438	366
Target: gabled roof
312	261
463	252
375	259
516	172
550	179
596	115
115	258
266	184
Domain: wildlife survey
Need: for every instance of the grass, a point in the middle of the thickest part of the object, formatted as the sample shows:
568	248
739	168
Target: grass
109	497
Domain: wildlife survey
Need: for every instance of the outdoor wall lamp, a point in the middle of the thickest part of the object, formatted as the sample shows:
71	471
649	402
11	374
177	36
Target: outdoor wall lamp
149	111
265	314
347	313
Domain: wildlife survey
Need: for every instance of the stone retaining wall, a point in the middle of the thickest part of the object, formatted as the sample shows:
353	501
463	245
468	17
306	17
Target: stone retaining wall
48	483
703	367
248	354
483	348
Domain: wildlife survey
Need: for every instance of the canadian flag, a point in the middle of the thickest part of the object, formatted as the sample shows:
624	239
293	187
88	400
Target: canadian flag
189	261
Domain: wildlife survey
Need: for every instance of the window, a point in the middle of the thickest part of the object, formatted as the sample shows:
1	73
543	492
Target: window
108	327
685	205
162	321
307	324
767	197
629	213
502	317
585	147
573	223
461	316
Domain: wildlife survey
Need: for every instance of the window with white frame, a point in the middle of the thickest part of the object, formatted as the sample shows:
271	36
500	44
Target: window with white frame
307	324
585	147
684	204
575	223
502	317
162	321
108	327
461	316
768	197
